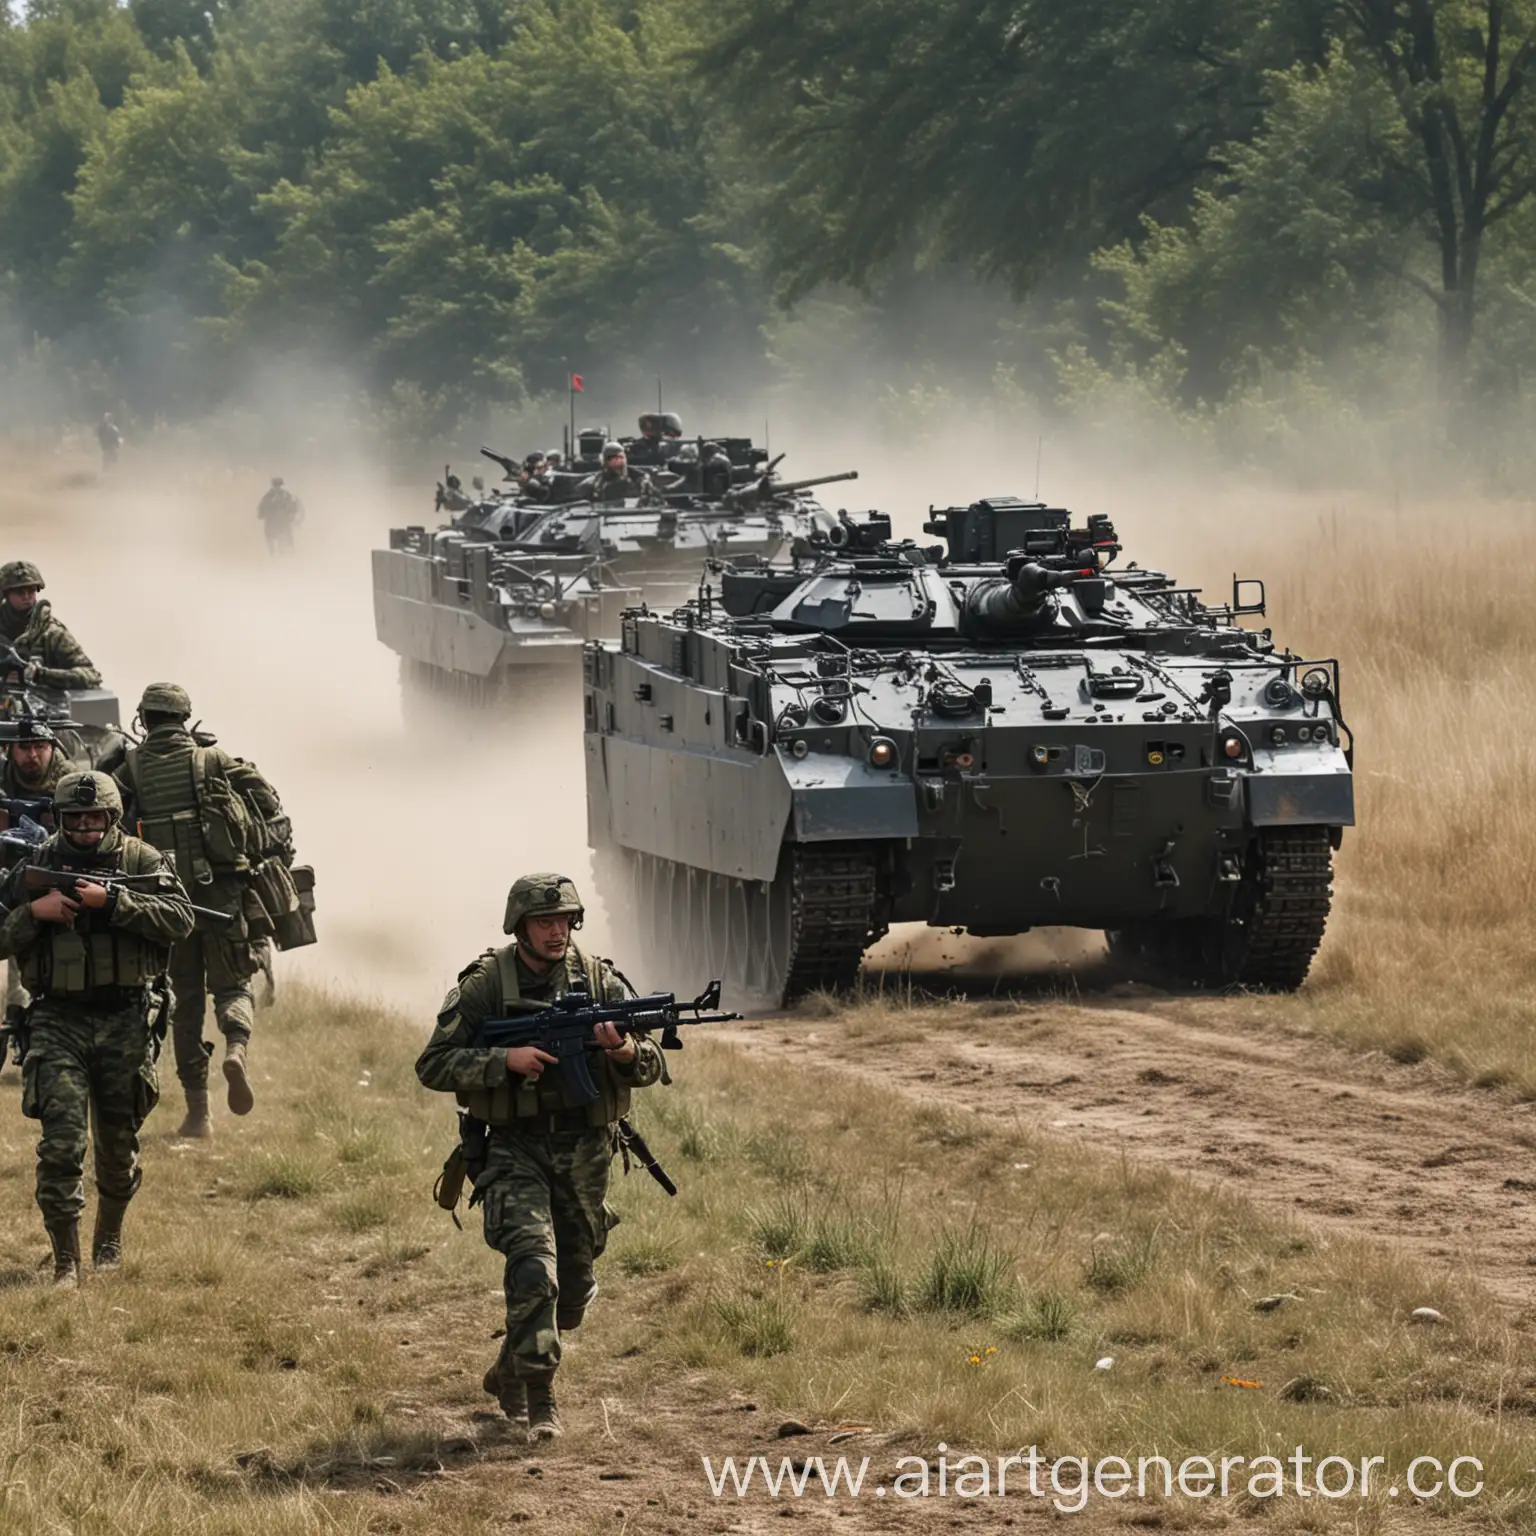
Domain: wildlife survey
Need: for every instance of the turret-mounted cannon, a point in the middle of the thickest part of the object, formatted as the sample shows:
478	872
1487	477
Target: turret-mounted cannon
765	488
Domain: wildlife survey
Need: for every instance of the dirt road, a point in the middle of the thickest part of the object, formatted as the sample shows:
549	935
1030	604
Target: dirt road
1356	1144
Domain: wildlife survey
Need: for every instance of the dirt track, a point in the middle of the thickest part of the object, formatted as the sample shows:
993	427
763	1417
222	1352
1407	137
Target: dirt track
1356	1144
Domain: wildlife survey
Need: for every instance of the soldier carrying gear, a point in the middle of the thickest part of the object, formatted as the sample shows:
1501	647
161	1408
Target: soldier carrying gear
34	764
51	656
222	822
615	481
280	512
541	1158
94	957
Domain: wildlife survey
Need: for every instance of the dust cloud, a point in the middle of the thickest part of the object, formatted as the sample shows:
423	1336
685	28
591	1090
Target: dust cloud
161	571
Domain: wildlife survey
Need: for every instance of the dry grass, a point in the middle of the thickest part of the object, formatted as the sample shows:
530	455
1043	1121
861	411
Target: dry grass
1430	951
296	1340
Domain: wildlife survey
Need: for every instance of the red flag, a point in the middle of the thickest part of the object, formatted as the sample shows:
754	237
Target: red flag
577	387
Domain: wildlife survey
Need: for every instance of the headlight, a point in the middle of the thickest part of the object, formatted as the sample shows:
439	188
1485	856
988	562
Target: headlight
546	610
799	747
1304	733
882	753
1277	736
1233	746
1317	684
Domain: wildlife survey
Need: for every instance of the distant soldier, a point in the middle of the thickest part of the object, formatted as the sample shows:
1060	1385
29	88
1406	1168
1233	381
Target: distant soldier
49	654
615	481
94	960
715	471
195	802
110	438
543	1179
280	511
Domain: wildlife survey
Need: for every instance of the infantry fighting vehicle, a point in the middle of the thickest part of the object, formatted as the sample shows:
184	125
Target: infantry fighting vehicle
1003	733
499	603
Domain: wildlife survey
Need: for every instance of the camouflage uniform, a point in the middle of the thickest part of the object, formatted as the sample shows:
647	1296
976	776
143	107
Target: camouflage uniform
97	985
39	637
545	1180
184	797
14	787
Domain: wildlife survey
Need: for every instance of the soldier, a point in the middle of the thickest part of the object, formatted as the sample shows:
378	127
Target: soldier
715	471
279	510
34	764
95	964
50	655
190	801
615	481
545	1174
110	440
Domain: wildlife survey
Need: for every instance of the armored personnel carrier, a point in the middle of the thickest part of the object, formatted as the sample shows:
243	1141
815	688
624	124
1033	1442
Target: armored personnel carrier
503	598
1001	733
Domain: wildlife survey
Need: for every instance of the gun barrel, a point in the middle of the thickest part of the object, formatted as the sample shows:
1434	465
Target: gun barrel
815	480
507	462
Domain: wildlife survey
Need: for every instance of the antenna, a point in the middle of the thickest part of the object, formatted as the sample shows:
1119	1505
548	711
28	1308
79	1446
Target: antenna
1039	454
658	394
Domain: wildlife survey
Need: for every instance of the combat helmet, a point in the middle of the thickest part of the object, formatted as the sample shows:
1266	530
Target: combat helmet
19	573
27	726
542	895
90	791
166	699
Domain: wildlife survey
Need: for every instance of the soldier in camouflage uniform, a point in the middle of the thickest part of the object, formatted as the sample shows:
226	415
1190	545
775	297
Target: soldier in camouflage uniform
544	1182
95	964
189	801
34	763
52	656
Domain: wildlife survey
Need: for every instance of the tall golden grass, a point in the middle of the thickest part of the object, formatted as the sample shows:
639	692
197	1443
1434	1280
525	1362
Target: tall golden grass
1434	616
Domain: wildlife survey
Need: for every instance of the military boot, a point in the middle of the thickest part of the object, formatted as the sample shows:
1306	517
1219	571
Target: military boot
508	1390
241	1100
65	1237
107	1240
197	1124
543	1415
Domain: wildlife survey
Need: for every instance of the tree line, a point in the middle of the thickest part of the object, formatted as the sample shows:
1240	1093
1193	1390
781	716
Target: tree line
460	197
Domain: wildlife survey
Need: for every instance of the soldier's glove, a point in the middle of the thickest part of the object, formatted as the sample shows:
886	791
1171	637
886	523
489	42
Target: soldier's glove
29	671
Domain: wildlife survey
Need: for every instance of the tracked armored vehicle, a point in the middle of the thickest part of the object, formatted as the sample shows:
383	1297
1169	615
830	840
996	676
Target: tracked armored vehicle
500	602
998	734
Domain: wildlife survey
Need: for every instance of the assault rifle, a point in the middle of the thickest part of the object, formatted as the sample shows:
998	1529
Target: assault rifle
36	880
564	1029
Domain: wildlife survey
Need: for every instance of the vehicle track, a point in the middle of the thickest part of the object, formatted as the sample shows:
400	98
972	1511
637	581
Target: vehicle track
1354	1143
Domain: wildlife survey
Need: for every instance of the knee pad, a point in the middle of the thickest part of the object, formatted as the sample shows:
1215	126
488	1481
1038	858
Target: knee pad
529	1278
569	1313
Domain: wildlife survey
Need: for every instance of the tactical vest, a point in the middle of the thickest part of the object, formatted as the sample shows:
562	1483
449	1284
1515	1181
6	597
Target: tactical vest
530	1102
71	962
186	806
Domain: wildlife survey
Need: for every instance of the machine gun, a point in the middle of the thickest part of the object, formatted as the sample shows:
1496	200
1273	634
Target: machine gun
1007	605
564	1029
36	879
509	465
766	489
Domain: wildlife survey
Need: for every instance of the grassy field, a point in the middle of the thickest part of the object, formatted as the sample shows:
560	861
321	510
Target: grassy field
296	1340
1431	950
